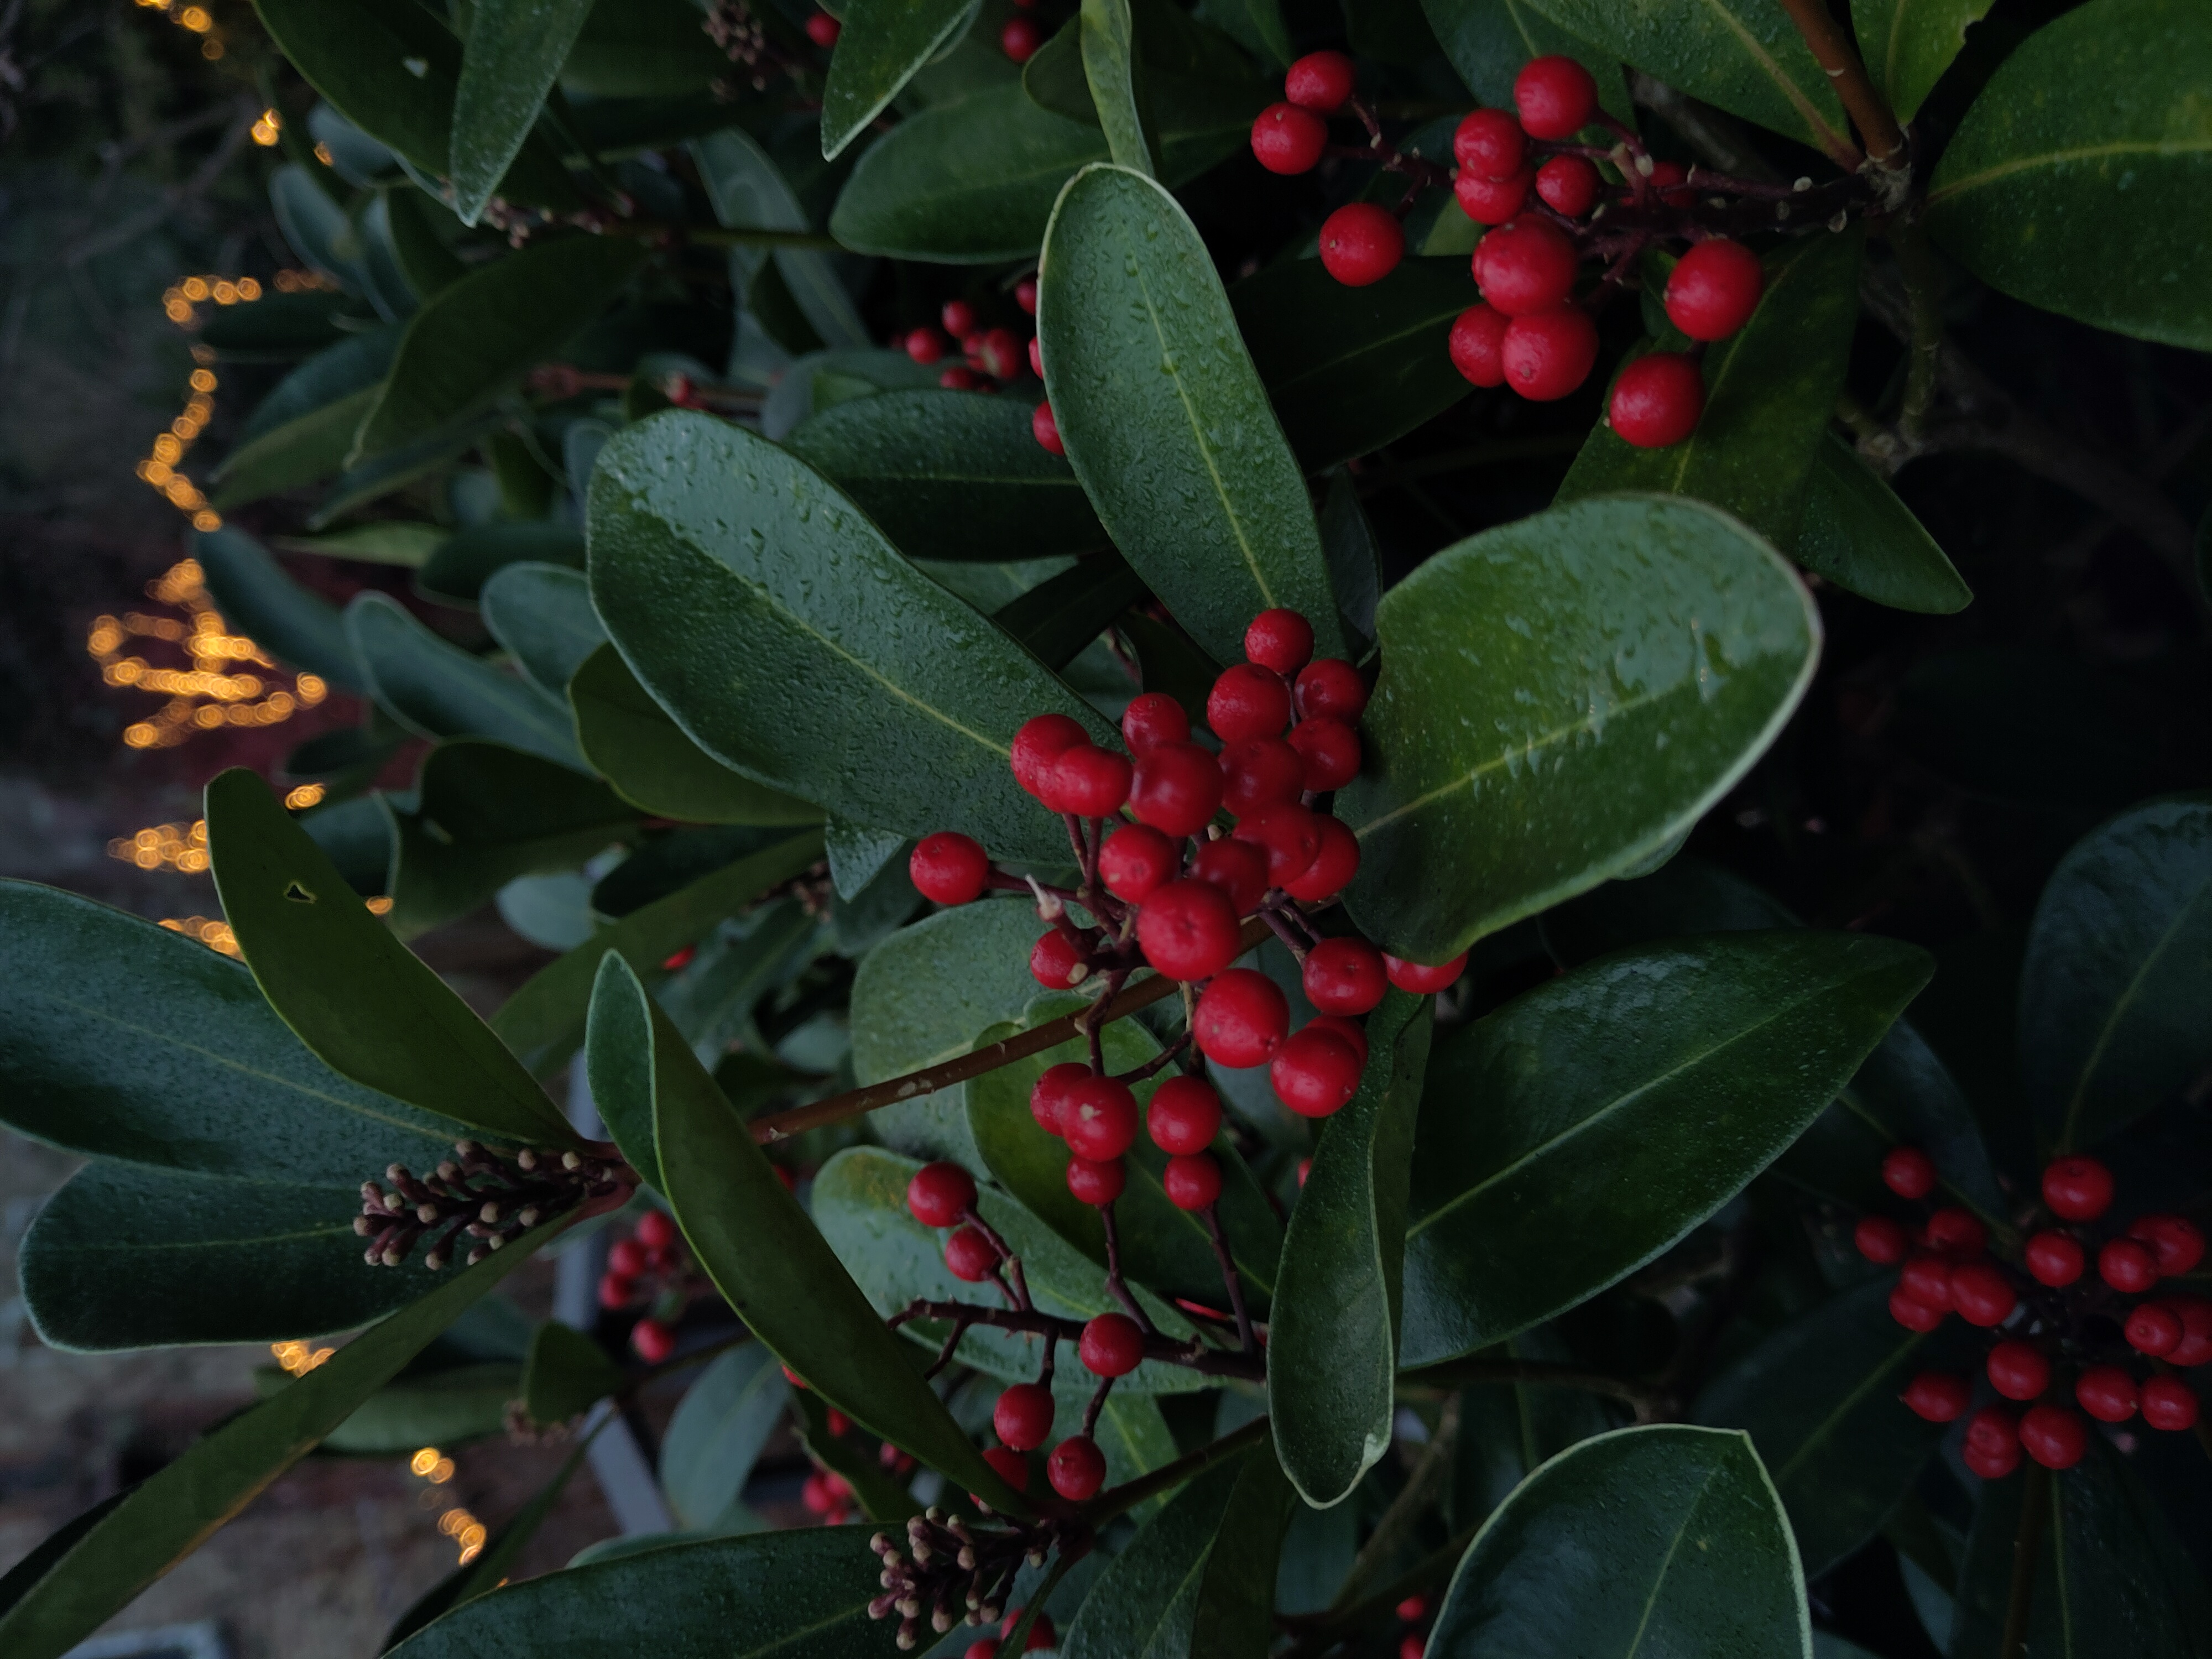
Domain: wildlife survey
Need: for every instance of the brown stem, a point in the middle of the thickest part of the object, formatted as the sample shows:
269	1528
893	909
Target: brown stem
1192	1355
1097	1404
2027	1543
1119	1500
1114	1285
1291	942
1158	1063
1652	1405
1246	1340
1868	110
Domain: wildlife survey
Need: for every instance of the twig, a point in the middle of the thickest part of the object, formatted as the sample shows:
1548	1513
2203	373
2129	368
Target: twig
1192	1355
1116	1287
1868	110
2027	1543
1245	1339
1119	1500
1158	1062
1404	1514
1097	1404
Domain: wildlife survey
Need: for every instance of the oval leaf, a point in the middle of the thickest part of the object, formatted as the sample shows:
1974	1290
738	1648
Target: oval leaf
439	690
565	1372
718	1432
259	597
883	43
1857	534
514	49
1146	1604
543	615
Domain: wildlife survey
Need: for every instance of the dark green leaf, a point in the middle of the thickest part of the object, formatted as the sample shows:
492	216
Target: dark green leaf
1257	25
822	381
750	191
413	224
354	995
309	447
644	50
1624	1103
1236	1598
619	1059
1820	1401
1488	42
1106	35
668	862
34	1566
718	1432
445	1407
316	227
1146	1604
543	615
881	1495
1058	617
2093	136
882	43
857	855
1857	534
354	365
280	327
439	690
514	49
1171	662
387	541
803	649
947	475
1653	1540
259	599
1522	749
1770	392
1333	1340
1165	420
1507	1430
462	563
711	1000
2111	999
168	1515
1908	44
372	480
361	838
1350	369
566	1372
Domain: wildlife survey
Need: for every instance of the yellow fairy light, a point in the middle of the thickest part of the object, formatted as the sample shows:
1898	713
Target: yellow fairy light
297	1358
231	680
196	19
442	1473
322	155
265	130
307	795
423	1460
202	380
380	906
194	288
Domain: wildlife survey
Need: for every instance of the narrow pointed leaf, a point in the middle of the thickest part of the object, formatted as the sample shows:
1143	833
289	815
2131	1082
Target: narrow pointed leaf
749	191
1145	1605
1108	36
718	1432
1857	534
1908	44
883	43
565	1372
619	1062
439	690
1234	1617
543	615
513	50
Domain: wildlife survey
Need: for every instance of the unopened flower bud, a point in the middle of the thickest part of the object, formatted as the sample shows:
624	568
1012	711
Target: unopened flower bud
435	1260
571	1161
393	1256
363	1226
526	1217
526	1159
966	1559
426	1213
910	1607
489	1214
497	1241
941	1620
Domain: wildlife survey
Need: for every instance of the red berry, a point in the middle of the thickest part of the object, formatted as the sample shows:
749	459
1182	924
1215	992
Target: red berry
1287	139
1666	174
2106	1393
1657	399
1020	40
1112	1345
1089	781
1476	339
1333	867
983	1648
1569	185
1493	201
1045	428
676	960
1241	1017
791	1376
1526	266
2153	1329
958	317
837	1423
939	1193
1184	1117
969	1255
1188	930
1879	1238
1349	1029
1549	354
1002	353
1255	771
1042	1634
1010	1466
971	348
1136	860
1556	97
1037	361
615	1291
1023	1416
2053	1437
1913	1316
925	346
1054	963
959	377
1288	833
1330	750
1982	1294
2056	1259
1714	288
1957	1230
1049	1095
1305	1168
1412	1647
1025	296
1490	143
1909	1172
1319	81
626	1257
1098	1118
2195	1314
1238	868
2175	1241
1038	746
653	1340
948	867
1248	701
1279	639
823	30
1096	1184
1077	1468
1927	1279
1176	788
1153	718
1331	686
1192	1181
1992	1444
1939	1397
2169	1404
1345	976
815	1494
2019	1370
2077	1189
1314	1072
656	1229
1413	1610
1361	243
2127	1265
1419	980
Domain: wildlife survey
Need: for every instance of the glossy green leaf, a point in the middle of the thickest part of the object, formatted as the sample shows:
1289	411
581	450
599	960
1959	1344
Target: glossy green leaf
390	541
1350	369
881	1495
544	1021
1908	44
1146	1604
718	1432
1164	417
793	642
1655	1541
439	690
1354	558
543	615
645	49
1857	534
1059	617
2111	999
620	1062
127	1041
513	50
1234	1617
460	565
1488	42
1819	1400
1744	56
1624	1103
259	597
310	447
171	1513
1508	1430
2093	136
781	1279
356	995
713	998
749	191
1771	390
372	480
565	1372
316	228
450	1407
475	341
1521	750
354	365
1106	35
631	742
417	228
883	43
1332	1339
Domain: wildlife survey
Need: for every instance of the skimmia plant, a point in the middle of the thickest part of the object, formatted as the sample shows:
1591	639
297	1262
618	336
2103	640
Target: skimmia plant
1185	1054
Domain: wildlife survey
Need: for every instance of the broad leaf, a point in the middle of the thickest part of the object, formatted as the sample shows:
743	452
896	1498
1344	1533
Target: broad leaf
1520	751
1164	417
311	446
127	1041
1333	1339
1769	393
749	191
2111	999
464	562
718	1432
514	49
1508	1430
356	995
448	1406
793	642
1644	1542
1488	42
1820	1401
948	475
1908	44
316	227
437	689
565	1371
1857	534
259	599
543	615
1234	1617
1623	1103
355	364
883	43
2093	136
619	1061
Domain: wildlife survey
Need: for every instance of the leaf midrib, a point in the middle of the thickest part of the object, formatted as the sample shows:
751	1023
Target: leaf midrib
2054	158
1826	1428
2111	1021
1667	1565
1764	61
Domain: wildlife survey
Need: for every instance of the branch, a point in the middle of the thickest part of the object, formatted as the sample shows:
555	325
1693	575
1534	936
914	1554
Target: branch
1118	1500
1404	1514
1868	110
1029	1322
1652	1405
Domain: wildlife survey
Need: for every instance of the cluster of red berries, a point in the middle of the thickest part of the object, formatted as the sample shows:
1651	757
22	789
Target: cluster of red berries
991	357
649	1262
1413	1610
828	1495
2052	1313
1041	1635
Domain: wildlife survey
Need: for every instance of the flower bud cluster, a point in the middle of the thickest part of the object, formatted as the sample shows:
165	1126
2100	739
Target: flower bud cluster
489	1196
